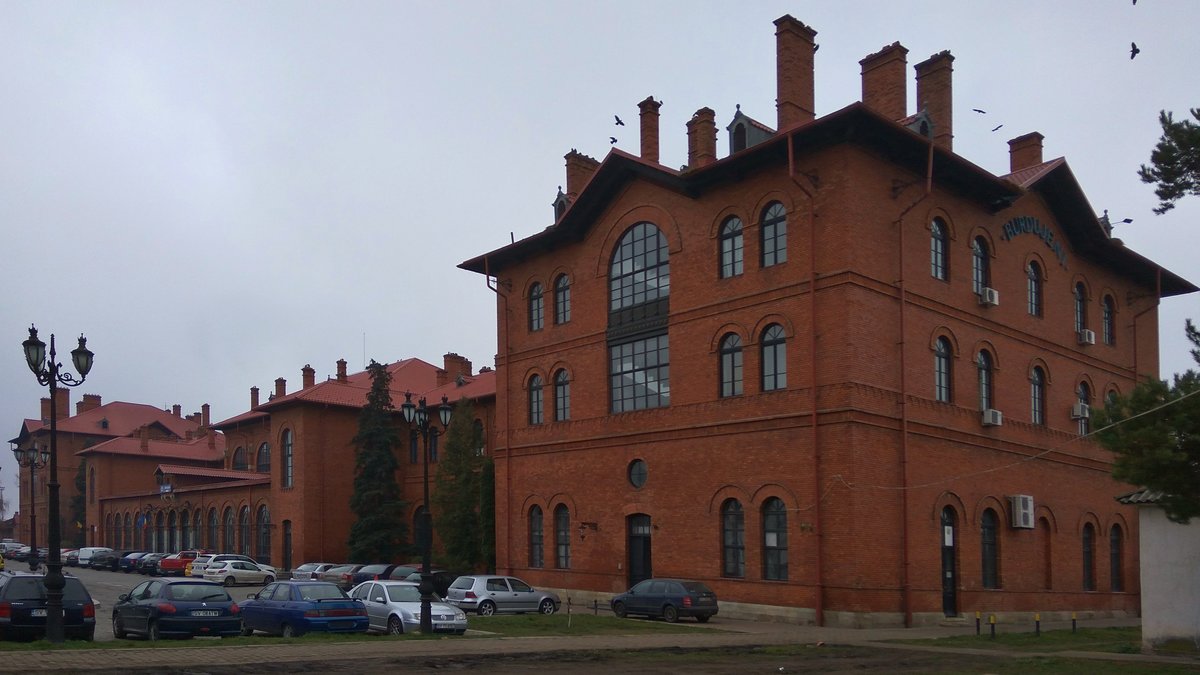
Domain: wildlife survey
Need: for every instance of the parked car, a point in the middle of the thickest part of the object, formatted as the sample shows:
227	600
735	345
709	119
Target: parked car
293	608
9	547
86	553
232	572
341	575
175	564
667	598
488	594
441	580
394	607
380	571
23	607
129	562
159	608
195	568
71	559
107	560
311	571
148	564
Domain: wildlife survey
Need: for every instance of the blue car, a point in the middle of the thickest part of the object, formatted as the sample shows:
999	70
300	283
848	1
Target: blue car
176	608
293	608
129	563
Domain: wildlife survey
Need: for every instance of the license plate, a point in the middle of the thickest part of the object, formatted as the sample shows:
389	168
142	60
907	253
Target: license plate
443	626
37	612
205	612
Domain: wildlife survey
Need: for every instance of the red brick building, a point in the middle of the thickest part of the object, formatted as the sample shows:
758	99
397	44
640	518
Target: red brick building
841	374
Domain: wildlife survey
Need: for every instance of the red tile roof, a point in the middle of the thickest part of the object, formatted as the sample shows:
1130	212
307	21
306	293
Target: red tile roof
1030	175
194	449
117	419
204	472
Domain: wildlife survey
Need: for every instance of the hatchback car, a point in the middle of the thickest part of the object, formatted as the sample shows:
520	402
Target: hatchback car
488	594
148	564
293	608
176	608
129	563
233	572
668	598
195	568
394	607
380	571
310	571
23	607
341	575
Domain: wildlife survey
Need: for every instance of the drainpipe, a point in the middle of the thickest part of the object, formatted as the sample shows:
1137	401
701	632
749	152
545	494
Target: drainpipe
503	317
1157	302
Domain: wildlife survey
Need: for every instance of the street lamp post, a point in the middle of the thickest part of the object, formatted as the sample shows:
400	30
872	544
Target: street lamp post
419	413
48	372
31	458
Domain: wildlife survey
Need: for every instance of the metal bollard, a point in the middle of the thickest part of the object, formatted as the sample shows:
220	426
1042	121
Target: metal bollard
977	622
1037	625
992	621
1072	622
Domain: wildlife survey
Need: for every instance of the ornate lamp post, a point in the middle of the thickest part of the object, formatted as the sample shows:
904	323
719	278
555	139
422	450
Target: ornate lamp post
48	372
32	458
419	413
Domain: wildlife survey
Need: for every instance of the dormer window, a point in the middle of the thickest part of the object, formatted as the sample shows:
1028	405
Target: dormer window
561	202
739	138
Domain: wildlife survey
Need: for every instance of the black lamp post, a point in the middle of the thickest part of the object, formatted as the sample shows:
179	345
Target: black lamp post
417	412
30	457
48	372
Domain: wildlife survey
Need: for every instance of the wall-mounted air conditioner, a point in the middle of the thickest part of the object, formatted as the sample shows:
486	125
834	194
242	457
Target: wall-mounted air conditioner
1080	410
1022	511
989	297
1087	337
992	418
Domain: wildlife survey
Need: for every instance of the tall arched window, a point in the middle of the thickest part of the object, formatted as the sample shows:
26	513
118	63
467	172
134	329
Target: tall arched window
774	358
562	299
197	528
731	365
1080	307
774	235
287	459
185	526
562	396
943	387
983	363
990	548
244	530
731	262
535	400
1084	394
537	543
1037	396
775	540
213	529
562	537
1108	319
263	462
939	266
239	459
537	307
639	289
1089	557
981	266
160	533
227	542
733	539
1033	288
263	545
129	531
1115	545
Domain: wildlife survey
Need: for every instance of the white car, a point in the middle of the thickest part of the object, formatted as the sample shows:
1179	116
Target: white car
198	564
232	572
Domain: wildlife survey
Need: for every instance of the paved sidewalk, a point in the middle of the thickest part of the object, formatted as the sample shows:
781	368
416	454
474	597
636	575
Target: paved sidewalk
726	633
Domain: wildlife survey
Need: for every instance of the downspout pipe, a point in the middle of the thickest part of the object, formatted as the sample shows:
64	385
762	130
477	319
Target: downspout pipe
502	319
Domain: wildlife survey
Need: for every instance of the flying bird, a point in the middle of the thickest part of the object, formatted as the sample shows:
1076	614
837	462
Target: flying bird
997	127
619	122
612	140
1133	50
981	112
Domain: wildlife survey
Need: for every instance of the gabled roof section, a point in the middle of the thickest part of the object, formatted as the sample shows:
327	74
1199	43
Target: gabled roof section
117	419
1143	496
196	449
476	387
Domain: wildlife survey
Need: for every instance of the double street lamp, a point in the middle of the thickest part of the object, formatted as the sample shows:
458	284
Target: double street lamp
48	372
33	459
419	413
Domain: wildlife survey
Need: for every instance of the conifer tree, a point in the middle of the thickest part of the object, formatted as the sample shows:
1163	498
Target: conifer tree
461	523
379	531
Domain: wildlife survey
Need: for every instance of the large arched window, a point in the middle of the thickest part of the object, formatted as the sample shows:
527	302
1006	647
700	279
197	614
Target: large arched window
244	530
227	541
1084	420
263	526
197	528
287	459
1089	557
990	548
983	364
943	380
562	396
939	266
562	537
775	540
213	529
160	533
536	408
537	307
733	539
562	299
1033	288
774	235
639	288
1037	396
640	271
128	538
262	463
1115	546
185	527
774	358
537	541
1108	319
1080	307
239	459
731	365
731	261
981	266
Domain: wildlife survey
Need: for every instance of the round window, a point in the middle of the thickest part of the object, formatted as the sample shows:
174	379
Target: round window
637	473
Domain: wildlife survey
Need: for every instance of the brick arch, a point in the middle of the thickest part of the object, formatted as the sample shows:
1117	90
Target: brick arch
1042	512
939	213
1112	387
979	232
986	502
944	331
1117	519
1088	517
647	213
760	207
1084	377
731	211
789	331
1034	256
738	329
564	498
768	490
531	501
529	373
947	498
1078	279
527	286
991	349
727	491
1038	362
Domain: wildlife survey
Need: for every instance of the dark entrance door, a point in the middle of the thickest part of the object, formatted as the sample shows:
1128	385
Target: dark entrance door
640	568
949	566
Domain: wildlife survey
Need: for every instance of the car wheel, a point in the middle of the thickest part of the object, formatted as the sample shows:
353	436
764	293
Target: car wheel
268	580
547	606
670	614
152	632
619	610
287	631
703	618
395	626
461	632
487	608
118	627
229	581
247	631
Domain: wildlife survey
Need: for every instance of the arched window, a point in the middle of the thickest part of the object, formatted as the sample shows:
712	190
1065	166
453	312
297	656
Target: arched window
535	400
536	538
731	365
160	533
639	289
239	459
287	459
733	539
562	537
731	261
263	463
562	299
939	266
109	533
537	307
1037	396
775	540
129	531
1107	320
990	548
478	438
562	396
943	381
981	266
197	528
1080	307
185	530
739	138
1084	392
213	529
1033	288
1115	544
774	358
227	541
640	271
983	363
1089	557
774	235
263	525
244	530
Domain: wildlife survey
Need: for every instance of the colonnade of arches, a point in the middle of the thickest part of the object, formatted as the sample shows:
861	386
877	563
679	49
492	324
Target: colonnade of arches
228	528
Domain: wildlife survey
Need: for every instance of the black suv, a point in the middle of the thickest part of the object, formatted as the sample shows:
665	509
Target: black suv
23	607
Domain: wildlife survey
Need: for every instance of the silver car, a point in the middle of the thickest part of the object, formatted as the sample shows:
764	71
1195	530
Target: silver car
488	594
394	607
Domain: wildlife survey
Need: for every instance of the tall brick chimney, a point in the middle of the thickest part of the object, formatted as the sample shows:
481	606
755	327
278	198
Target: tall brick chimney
308	376
204	419
177	410
794	81
63	405
89	402
341	370
935	96
1025	151
280	387
649	123
702	138
884	86
253	397
580	168
453	365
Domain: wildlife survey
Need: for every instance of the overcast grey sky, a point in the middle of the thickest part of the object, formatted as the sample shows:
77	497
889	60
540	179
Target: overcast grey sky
217	193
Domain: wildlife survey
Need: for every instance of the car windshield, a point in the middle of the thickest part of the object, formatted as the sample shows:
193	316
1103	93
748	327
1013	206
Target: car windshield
321	592
404	594
202	559
196	593
373	569
32	588
307	567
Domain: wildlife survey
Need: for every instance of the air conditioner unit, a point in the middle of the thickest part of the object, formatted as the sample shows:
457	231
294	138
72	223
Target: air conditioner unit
1087	337
1080	410
992	418
989	297
1022	511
